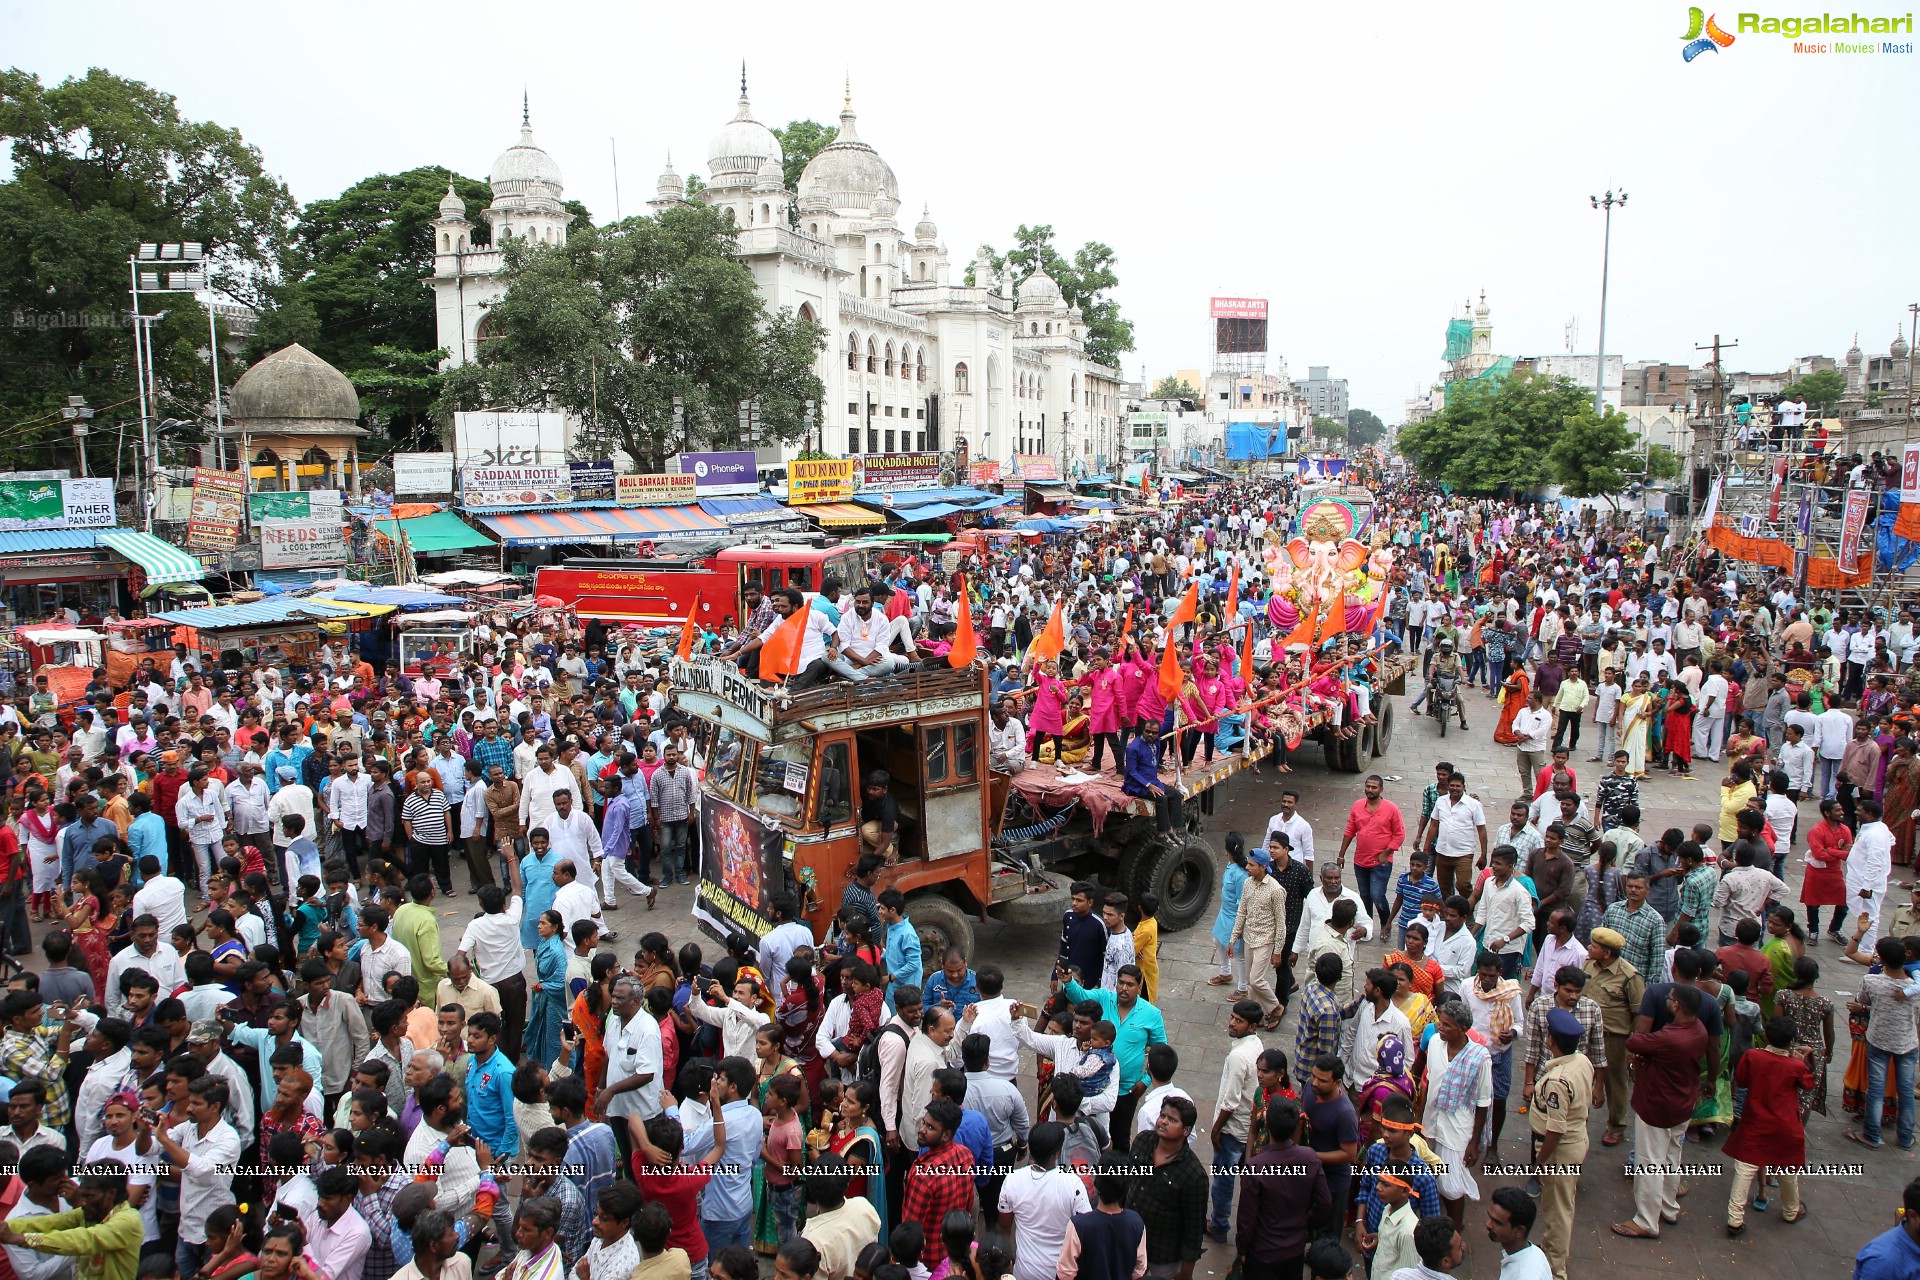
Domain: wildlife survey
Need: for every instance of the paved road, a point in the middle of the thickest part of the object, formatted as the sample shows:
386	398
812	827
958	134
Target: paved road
1847	1212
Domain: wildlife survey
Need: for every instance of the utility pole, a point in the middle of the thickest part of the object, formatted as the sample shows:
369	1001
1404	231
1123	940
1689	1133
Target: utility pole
1913	334
1719	383
79	416
1606	254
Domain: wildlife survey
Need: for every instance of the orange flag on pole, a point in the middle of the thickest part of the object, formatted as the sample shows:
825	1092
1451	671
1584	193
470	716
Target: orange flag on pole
1052	640
1246	658
964	644
1126	627
687	634
1171	677
780	655
1233	597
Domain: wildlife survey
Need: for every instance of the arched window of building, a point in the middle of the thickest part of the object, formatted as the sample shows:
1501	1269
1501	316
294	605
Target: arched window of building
960	386
446	242
766	214
887	368
813	229
923	268
873	357
318	479
806	312
920	365
853	352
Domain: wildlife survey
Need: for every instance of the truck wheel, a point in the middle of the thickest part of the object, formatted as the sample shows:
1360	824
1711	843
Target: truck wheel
1134	862
1363	748
1331	745
1383	731
1182	875
1347	754
940	925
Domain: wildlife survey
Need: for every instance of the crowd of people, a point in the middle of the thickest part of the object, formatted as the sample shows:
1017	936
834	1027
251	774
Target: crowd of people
248	1051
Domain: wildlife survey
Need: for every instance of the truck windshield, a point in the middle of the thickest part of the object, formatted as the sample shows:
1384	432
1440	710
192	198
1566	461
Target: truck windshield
780	779
723	771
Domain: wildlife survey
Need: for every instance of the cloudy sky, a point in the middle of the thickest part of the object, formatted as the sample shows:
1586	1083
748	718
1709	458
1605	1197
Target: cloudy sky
1367	168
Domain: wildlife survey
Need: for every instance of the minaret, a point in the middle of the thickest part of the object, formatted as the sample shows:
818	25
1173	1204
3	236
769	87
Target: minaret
452	233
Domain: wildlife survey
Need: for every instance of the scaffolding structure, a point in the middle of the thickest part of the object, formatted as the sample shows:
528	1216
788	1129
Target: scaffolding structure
1790	513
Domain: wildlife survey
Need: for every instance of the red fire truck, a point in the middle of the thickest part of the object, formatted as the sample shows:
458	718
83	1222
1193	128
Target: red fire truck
661	590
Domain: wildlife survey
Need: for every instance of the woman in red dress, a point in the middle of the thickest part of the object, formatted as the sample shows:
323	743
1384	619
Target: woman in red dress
1828	843
1679	734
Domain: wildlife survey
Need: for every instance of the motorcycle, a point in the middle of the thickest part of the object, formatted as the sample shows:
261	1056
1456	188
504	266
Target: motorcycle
1443	701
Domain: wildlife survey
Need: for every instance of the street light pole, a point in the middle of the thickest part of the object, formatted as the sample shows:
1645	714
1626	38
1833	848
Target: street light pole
1606	254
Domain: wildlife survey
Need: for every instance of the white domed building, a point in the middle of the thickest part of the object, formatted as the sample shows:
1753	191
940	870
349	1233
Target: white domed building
915	360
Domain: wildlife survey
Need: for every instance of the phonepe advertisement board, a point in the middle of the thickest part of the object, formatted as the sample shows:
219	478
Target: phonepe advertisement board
718	474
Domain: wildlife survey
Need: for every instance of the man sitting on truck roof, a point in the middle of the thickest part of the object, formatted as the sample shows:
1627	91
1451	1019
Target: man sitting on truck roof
866	641
817	644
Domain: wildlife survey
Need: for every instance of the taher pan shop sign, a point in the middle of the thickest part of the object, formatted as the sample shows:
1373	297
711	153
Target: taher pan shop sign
56	504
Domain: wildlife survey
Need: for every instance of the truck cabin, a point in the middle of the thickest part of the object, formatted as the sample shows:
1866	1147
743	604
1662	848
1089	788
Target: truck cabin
802	762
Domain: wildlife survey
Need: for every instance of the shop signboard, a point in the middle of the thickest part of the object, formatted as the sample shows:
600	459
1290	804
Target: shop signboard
983	473
719	474
591	481
892	472
819	480
213	522
509	440
312	504
299	544
1036	467
516	486
418	473
656	489
56	504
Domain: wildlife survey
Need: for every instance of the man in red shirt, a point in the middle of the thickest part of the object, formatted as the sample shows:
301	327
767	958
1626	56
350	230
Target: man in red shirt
1375	831
940	1179
660	1176
1666	1085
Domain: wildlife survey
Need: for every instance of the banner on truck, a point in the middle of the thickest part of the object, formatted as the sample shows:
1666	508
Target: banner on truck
741	864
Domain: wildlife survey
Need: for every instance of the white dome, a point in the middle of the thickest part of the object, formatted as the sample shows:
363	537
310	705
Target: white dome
848	174
770	177
1039	290
924	231
451	205
741	147
525	170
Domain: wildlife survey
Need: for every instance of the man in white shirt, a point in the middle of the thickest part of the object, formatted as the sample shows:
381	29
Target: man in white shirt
1298	830
1006	739
1869	864
1375	1019
572	835
633	1056
575	900
145	952
538	787
1505	912
1796	760
1710	717
992	1016
1318	909
205	1151
164	898
1834	732
347	797
1533	727
866	640
382	955
1457	833
818	640
1041	1199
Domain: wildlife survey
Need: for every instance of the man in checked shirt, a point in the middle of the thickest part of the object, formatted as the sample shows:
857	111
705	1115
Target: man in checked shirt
760	616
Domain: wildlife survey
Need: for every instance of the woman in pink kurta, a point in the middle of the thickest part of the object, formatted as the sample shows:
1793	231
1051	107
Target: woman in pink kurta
1049	704
1105	686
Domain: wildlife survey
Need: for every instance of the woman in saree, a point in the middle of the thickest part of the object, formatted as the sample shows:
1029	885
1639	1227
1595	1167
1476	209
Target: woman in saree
770	1062
1679	731
1715	1107
856	1139
798	1019
1408	1000
1389	1078
1786	943
1513	700
589	1017
1635	715
1902	796
1745	744
550	967
1075	733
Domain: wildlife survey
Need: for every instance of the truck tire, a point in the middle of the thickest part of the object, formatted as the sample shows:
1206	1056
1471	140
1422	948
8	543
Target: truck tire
1347	753
1035	910
1331	745
1182	875
1135	859
1363	749
1383	731
940	925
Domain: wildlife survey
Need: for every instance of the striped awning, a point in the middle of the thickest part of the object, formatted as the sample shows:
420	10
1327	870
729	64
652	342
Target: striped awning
842	515
602	524
162	561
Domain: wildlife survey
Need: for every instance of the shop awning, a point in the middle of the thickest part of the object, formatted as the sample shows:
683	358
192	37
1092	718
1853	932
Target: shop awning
1052	492
394	597
602	524
260	613
750	509
441	531
841	515
29	541
162	561
352	606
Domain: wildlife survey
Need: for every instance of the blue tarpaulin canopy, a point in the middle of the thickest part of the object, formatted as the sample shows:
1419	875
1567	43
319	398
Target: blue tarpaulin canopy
1250	440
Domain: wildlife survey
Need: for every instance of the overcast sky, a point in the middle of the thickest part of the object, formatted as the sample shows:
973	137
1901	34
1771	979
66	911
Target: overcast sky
1367	168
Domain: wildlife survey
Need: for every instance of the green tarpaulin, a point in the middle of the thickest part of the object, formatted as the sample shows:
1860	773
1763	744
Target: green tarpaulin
441	531
1459	339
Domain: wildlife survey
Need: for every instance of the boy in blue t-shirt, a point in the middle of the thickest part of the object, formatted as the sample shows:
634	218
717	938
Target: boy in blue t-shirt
1413	885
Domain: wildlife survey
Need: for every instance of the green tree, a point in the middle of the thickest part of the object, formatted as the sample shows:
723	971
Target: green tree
1329	429
1820	390
1364	427
100	165
1662	463
1494	433
800	142
623	327
1594	456
1084	282
356	293
1171	388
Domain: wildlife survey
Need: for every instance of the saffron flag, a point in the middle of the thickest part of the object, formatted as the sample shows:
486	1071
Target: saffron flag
1233	597
1246	658
687	634
1126	626
964	645
1171	677
780	655
1052	639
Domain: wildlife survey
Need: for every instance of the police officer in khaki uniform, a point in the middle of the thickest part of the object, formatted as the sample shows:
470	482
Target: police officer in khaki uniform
1562	1097
1616	986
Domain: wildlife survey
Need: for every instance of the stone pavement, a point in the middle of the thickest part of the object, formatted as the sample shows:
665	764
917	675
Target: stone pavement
1846	1211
